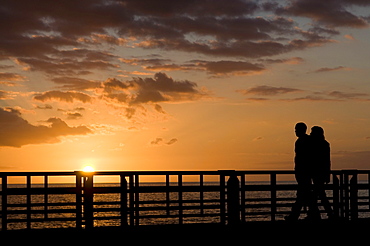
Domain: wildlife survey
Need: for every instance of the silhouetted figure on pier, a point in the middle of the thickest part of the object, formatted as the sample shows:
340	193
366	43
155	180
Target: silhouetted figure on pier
321	165
302	168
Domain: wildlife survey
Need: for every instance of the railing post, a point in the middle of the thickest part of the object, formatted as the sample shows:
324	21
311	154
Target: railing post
137	200
346	194
131	200
336	201
88	200
78	200
222	199
233	200
242	197
353	197
28	200
180	198
123	201
273	196
46	199
4	203
168	203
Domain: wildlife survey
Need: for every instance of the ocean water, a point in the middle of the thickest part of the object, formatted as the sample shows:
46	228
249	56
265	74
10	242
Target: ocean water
153	208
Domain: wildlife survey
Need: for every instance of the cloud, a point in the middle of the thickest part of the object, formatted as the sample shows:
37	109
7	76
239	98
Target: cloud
272	91
73	83
6	77
350	160
349	37
257	138
69	96
73	115
157	141
3	95
291	61
159	108
172	141
7	95
103	38
347	95
264	90
326	69
131	95
16	131
161	142
46	106
161	88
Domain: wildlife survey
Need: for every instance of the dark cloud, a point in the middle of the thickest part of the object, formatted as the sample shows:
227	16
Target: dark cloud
69	38
61	66
222	67
334	13
169	8
231	67
16	131
112	84
69	96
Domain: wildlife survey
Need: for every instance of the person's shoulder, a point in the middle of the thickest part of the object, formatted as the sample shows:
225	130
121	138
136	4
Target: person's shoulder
306	137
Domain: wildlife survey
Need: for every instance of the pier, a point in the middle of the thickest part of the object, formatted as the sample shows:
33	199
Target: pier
127	199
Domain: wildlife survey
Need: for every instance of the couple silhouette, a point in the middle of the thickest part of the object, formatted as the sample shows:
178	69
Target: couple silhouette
312	171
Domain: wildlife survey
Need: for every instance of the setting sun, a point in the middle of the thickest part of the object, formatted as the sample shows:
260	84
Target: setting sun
88	169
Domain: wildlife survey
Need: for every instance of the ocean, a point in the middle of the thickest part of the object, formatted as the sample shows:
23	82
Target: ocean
153	208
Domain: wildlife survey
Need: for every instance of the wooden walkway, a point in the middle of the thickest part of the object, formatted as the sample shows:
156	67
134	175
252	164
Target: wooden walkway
323	232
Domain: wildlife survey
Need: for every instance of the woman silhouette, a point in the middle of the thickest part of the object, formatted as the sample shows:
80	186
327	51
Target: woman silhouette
321	166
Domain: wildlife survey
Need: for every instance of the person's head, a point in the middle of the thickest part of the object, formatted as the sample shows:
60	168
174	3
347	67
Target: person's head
317	132
300	129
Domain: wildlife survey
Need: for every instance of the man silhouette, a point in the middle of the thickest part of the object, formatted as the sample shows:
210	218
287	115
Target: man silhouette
302	169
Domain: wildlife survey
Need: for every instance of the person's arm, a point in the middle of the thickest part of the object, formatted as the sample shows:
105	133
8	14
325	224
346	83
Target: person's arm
327	164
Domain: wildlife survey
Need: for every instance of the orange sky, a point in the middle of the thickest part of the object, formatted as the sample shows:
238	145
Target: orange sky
181	85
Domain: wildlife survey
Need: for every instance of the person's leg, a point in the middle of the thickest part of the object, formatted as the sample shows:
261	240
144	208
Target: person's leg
301	197
319	189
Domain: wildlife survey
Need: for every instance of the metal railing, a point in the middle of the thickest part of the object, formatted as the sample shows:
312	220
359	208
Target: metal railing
224	196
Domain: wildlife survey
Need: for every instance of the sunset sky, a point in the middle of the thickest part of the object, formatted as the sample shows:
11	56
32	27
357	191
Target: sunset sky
181	85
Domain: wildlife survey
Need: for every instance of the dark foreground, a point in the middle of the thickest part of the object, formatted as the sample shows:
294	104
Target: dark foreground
257	232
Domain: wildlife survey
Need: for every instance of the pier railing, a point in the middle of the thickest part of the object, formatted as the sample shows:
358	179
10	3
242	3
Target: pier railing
85	199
